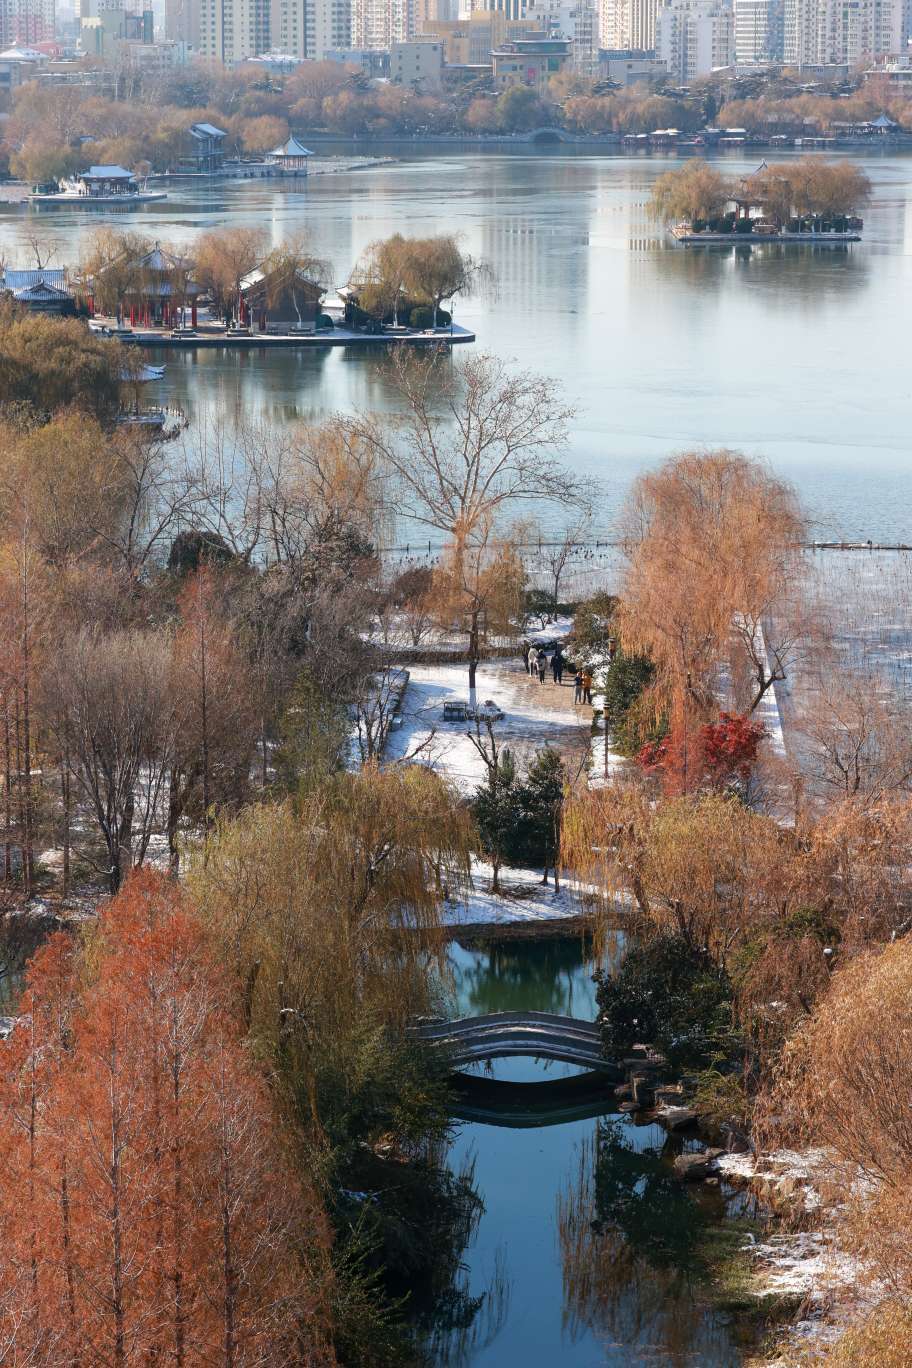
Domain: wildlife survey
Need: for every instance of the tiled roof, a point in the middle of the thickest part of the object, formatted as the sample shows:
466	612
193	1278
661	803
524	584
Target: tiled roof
24	280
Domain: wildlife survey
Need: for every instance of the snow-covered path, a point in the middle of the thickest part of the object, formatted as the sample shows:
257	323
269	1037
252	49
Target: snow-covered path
536	715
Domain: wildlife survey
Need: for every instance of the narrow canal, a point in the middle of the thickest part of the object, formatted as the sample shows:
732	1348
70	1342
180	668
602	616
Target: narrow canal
588	1251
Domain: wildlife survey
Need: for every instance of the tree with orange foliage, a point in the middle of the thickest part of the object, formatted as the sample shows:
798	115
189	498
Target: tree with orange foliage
713	546
152	1215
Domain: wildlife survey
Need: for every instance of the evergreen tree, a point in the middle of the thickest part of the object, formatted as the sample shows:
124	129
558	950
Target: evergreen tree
540	800
496	810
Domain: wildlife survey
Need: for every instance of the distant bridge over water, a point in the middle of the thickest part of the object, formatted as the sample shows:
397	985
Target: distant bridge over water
503	1035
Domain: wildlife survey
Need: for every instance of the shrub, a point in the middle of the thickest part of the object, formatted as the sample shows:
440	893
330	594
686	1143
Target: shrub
720	758
669	996
422	317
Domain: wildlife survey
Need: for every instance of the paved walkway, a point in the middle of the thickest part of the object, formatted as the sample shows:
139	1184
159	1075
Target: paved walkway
536	715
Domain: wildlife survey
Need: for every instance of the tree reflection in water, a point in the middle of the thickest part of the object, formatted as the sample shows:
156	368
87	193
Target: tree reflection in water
633	1249
458	1342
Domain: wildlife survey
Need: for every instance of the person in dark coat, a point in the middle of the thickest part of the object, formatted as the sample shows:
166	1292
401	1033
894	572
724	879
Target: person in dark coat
557	665
578	687
542	660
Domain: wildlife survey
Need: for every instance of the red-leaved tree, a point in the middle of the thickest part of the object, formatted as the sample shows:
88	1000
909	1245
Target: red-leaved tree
720	755
150	1214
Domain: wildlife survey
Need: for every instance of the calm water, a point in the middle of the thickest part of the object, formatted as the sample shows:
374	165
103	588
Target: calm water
554	1291
798	356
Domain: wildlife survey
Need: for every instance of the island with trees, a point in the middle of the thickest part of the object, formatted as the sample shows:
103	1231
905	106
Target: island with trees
230	288
810	202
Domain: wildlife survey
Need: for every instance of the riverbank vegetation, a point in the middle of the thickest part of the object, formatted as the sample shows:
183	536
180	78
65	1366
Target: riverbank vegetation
191	639
46	134
767	955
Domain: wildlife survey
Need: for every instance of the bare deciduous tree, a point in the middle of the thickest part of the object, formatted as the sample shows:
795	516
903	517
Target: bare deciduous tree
115	695
857	745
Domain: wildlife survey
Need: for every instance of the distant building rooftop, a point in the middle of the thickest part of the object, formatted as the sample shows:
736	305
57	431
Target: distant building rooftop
107	173
206	130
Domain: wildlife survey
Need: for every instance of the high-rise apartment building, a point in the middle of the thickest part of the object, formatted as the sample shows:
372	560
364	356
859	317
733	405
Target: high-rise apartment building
577	22
628	25
511	9
694	37
311	28
824	32
379	23
182	22
232	30
758	31
23	23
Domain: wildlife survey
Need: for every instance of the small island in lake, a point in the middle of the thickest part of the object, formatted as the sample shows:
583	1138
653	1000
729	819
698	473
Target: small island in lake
811	203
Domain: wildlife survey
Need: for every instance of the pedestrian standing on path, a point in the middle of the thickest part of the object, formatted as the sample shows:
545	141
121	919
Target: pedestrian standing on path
578	687
557	665
587	685
532	659
542	661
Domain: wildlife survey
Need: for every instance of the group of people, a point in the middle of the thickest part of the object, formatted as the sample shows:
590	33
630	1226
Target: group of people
537	661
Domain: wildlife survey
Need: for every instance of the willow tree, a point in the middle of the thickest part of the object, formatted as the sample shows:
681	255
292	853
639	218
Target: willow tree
713	556
437	269
706	869
477	590
111	266
224	257
421	270
844	1084
292	271
693	191
328	908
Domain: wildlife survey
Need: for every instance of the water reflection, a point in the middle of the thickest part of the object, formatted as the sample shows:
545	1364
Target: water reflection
512	975
629	1239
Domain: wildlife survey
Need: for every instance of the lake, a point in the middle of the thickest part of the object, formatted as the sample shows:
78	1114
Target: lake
794	354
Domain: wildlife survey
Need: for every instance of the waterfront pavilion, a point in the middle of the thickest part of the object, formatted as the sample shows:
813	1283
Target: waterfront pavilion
290	156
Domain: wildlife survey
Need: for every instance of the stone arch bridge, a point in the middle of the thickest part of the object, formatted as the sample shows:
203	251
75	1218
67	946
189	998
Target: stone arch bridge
502	1035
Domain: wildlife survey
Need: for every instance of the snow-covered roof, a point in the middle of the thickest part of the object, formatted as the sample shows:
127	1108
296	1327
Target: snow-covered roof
107	173
24	280
291	148
41	291
206	130
20	54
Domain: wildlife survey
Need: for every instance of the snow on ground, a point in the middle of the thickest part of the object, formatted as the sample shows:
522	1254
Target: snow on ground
557	630
804	1263
536	715
605	764
524	899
